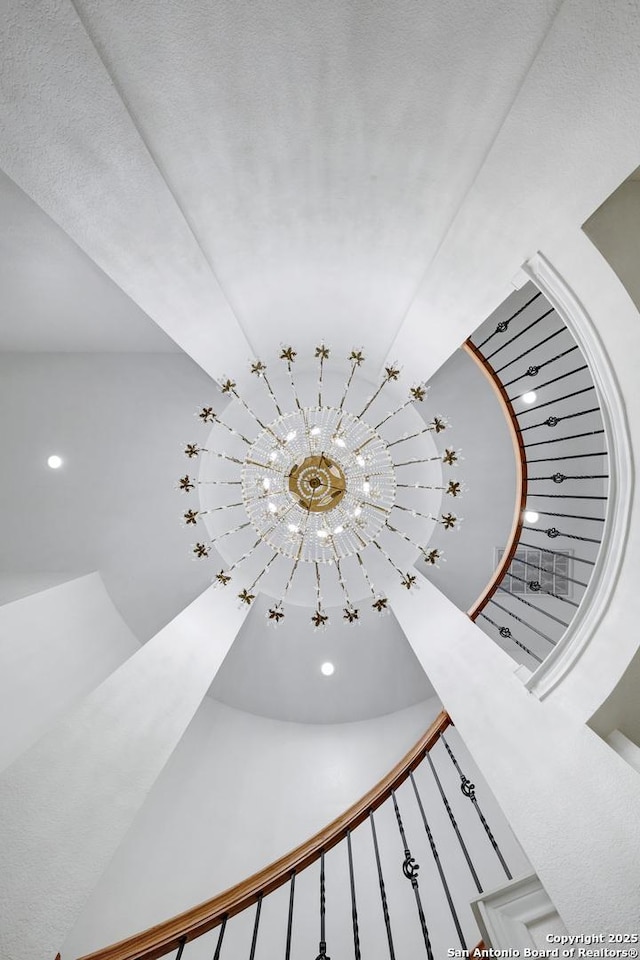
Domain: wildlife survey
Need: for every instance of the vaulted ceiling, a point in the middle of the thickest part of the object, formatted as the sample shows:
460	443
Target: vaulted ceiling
219	177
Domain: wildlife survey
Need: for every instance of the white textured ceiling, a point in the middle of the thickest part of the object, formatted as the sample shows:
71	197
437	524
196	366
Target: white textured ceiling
252	171
286	167
54	297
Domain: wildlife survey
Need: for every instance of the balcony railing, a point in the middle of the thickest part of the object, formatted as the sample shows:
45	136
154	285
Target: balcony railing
358	883
550	397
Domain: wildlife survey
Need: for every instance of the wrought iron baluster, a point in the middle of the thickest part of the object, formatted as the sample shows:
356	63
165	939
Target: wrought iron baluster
354	906
520	333
181	948
322	955
530	349
573	436
591	563
554	421
447	807
534	371
256	924
505	632
411	869
528	603
515	616
570	456
469	790
548	403
223	927
383	893
292	888
537	588
570	516
503	326
553	532
436	857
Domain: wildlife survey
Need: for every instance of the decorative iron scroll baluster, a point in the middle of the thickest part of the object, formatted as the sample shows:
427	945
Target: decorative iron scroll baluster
530	626
528	603
436	857
505	632
354	907
554	421
534	371
503	326
181	948
254	939
520	333
383	893
469	790
530	349
322	955
463	845
223	927
410	869
292	888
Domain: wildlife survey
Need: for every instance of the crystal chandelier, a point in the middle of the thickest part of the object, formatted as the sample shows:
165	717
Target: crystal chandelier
319	487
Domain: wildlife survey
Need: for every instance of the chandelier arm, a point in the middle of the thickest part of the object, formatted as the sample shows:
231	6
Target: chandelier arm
411	436
416	513
236	563
393	413
293	383
365	574
222	483
322	354
354	364
318	592
272	394
262	572
410	463
233	431
228	533
387	557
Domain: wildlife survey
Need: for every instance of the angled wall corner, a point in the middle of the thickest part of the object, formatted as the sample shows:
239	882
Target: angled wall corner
56	646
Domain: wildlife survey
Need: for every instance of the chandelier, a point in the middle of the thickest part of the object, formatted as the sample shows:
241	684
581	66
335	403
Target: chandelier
322	486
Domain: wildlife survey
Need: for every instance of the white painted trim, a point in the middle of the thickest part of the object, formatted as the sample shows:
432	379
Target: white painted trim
505	915
598	594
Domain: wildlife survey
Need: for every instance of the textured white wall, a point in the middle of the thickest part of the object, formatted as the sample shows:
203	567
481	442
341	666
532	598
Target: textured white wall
67	802
55	647
239	792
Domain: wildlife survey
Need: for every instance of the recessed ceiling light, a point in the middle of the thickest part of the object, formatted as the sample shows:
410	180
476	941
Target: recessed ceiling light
327	669
54	461
529	397
531	516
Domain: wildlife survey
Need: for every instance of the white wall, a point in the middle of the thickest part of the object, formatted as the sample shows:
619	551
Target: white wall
55	647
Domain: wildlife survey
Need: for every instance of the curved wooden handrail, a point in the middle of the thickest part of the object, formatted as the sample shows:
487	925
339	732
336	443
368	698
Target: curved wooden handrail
160	940
521	479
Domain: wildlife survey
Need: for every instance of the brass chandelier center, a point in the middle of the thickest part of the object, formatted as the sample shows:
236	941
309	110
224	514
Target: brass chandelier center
318	484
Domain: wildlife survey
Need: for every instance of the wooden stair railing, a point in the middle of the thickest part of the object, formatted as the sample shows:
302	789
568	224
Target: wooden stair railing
520	459
548	395
168	936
